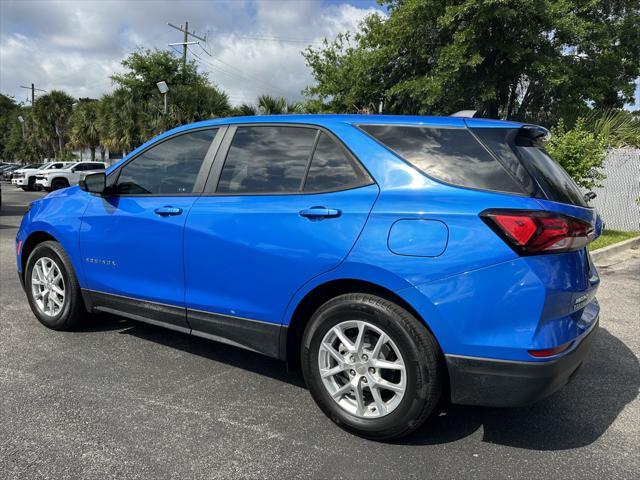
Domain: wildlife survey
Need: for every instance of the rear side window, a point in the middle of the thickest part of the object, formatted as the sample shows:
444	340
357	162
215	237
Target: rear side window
266	159
541	175
331	169
451	155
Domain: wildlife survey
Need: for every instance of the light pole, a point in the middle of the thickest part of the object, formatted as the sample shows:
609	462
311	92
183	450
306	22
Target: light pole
164	88
21	120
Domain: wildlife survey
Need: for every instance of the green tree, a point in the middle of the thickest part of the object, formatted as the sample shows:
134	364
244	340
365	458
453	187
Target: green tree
119	122
524	59
244	110
21	141
8	108
268	105
145	68
51	114
84	126
580	152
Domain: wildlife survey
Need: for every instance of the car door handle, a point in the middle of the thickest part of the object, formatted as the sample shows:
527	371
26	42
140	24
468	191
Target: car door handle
320	212
167	211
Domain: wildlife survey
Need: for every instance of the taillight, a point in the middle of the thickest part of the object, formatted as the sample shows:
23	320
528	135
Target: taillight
530	232
549	352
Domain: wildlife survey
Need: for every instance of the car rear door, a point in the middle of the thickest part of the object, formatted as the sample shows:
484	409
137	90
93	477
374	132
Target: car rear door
283	204
132	238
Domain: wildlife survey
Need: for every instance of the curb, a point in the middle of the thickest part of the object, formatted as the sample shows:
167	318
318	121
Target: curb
605	254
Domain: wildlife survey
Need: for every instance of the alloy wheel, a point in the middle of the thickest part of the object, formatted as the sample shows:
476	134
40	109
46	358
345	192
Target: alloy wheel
362	369
47	286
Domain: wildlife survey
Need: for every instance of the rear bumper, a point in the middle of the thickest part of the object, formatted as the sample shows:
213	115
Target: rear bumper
503	383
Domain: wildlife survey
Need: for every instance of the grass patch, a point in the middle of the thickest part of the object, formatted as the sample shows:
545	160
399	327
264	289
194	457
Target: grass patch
609	237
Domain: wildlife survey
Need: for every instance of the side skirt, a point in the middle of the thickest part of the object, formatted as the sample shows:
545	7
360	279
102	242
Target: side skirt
254	335
261	337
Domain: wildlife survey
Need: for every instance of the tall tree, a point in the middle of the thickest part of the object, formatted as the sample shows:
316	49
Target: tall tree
145	68
8	107
84	125
51	114
524	59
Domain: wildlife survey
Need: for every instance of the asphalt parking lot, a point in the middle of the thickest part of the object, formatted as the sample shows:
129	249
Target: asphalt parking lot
119	399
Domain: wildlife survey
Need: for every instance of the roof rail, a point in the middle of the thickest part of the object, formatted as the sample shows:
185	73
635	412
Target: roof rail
464	113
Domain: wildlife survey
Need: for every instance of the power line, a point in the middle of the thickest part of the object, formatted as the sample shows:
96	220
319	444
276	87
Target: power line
33	92
239	74
278	39
185	40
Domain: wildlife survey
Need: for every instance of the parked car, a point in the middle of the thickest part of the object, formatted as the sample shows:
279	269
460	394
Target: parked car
397	260
54	179
7	172
25	178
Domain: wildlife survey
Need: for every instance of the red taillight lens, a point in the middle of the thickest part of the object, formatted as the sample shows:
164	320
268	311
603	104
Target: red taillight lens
549	352
530	232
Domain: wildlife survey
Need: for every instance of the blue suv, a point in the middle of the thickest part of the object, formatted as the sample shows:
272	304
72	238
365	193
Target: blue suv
399	261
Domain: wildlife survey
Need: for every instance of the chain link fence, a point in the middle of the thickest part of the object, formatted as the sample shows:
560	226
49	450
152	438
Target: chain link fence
618	201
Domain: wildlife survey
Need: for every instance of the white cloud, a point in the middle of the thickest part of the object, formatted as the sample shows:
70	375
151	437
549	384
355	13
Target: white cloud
76	45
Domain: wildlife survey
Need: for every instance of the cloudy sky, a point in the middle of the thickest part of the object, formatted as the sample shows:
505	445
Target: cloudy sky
254	45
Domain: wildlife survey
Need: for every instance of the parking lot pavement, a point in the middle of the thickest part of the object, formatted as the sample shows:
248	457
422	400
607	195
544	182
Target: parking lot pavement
128	400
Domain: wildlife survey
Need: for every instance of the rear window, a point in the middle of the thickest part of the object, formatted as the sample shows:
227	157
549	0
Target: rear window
452	155
515	146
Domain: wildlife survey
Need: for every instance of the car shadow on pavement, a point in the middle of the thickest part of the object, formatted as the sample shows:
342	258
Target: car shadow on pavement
216	351
575	416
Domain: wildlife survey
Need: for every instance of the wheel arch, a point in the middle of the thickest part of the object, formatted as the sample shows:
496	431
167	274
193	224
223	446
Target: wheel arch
312	300
33	240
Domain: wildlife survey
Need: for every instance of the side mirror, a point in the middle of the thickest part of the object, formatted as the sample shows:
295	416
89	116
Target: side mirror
94	183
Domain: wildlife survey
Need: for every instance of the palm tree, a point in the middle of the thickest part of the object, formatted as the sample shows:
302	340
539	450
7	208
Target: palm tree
84	126
118	121
51	116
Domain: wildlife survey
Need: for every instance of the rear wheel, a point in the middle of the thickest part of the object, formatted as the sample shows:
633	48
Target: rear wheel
371	366
52	288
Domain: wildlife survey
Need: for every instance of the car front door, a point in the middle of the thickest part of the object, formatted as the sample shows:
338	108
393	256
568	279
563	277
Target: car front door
132	237
283	204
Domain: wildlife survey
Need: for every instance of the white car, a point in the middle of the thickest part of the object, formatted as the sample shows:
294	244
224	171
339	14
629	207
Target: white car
54	179
25	178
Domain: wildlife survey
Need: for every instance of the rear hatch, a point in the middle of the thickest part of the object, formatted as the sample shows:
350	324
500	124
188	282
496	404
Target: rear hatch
562	262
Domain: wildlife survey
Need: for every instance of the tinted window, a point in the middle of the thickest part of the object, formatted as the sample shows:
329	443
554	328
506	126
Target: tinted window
95	166
266	159
499	141
528	162
167	168
81	167
552	178
452	155
331	169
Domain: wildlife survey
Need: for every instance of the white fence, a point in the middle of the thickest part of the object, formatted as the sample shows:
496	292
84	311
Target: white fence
618	201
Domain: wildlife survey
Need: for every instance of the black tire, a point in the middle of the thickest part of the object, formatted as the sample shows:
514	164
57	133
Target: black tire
419	350
73	311
59	183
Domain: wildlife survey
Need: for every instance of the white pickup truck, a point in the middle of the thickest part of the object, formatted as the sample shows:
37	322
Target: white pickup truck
25	178
67	176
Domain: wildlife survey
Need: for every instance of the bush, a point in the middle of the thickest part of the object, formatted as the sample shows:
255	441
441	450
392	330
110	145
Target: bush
580	152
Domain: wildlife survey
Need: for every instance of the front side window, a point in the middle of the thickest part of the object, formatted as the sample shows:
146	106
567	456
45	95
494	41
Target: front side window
451	155
331	169
171	167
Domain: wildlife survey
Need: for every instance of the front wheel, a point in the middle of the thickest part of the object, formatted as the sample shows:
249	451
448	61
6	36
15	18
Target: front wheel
52	288
371	366
57	184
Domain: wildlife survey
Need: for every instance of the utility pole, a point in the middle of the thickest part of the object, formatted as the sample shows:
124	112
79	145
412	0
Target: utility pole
33	92
185	40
